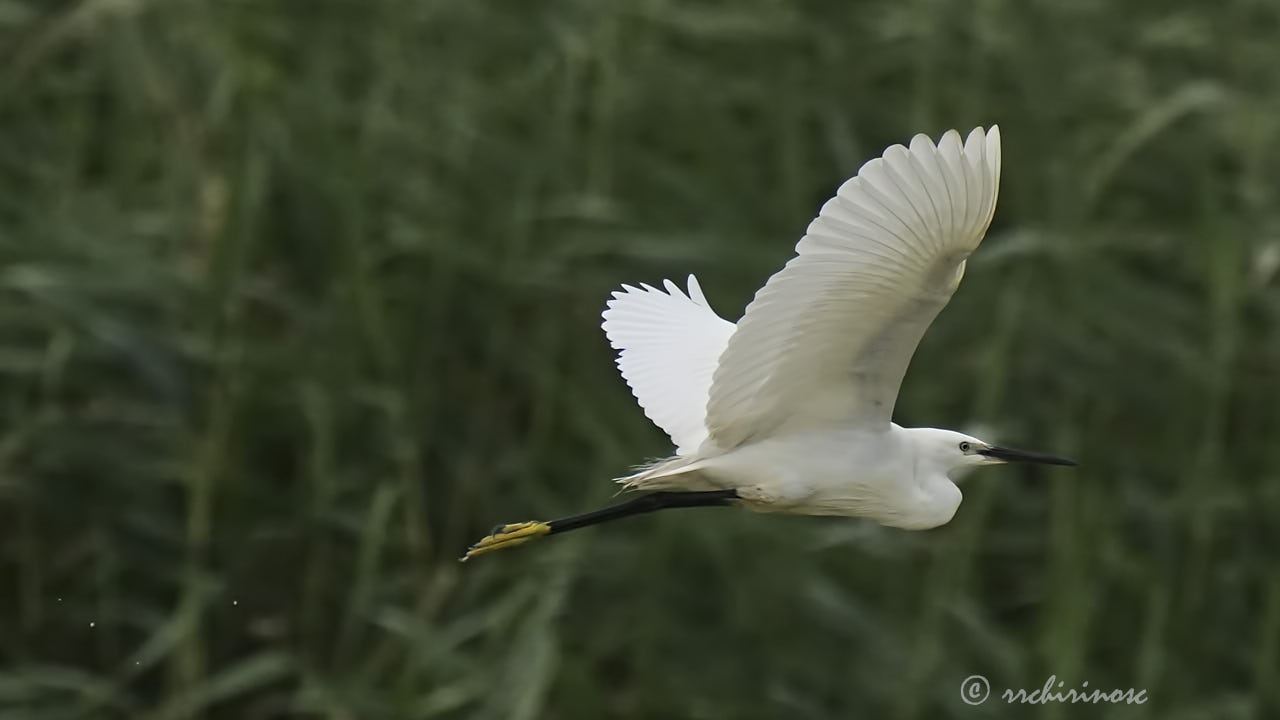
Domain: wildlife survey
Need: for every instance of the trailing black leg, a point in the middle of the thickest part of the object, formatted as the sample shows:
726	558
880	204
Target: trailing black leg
505	536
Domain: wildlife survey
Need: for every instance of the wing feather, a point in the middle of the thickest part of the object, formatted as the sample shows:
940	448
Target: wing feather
829	337
668	345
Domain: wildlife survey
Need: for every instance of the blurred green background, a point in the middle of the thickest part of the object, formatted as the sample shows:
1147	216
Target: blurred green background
299	297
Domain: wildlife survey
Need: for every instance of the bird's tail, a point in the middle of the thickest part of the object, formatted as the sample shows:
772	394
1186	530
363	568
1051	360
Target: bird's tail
673	473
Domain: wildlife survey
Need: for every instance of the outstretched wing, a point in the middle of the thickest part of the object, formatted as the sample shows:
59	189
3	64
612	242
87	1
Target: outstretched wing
828	338
668	344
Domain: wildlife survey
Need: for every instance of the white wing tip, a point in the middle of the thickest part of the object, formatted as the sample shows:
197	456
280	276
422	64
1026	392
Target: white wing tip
668	288
990	134
695	292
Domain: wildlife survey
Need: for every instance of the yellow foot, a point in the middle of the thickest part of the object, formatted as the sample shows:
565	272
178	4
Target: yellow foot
505	536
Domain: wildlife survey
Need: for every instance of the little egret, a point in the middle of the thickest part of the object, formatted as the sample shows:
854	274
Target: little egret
790	410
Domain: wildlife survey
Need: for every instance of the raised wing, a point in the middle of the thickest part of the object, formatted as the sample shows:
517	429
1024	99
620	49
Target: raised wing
668	344
828	338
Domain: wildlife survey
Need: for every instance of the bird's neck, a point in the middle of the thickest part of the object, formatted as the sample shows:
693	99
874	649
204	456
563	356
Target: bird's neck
936	496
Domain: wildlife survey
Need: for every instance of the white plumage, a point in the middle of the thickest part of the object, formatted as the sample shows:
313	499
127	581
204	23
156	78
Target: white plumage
668	345
828	338
791	409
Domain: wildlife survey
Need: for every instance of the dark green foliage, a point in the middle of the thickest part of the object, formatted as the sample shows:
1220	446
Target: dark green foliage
297	299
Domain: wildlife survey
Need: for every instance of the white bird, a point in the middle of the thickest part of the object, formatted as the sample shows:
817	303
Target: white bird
791	409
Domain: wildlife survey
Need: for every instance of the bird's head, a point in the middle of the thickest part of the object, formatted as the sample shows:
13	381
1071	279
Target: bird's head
950	450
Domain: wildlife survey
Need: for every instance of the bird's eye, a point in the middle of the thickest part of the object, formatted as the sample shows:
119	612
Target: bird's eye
964	447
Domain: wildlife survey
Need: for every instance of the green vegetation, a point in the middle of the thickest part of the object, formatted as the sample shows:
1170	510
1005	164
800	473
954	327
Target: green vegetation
298	298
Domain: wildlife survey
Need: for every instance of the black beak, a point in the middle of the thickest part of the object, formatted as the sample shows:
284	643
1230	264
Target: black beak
1011	455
